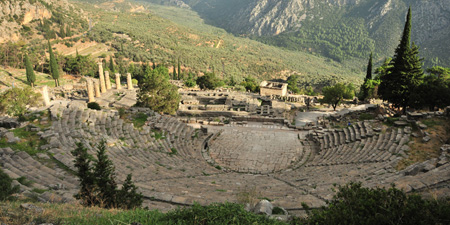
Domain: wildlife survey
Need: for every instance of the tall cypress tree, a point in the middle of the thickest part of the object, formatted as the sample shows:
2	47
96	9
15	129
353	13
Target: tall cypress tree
111	65
54	68
174	71
179	69
62	31
31	77
68	31
406	71
364	89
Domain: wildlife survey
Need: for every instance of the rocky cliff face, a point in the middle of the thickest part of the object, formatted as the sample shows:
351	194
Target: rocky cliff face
15	13
272	17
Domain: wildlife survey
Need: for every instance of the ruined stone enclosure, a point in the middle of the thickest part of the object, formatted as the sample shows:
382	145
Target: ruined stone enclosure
205	104
174	164
268	88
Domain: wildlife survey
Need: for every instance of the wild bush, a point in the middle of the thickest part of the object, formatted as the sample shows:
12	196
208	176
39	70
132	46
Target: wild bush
354	204
6	187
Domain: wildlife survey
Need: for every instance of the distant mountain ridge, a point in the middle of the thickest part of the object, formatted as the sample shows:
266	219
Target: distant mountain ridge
374	24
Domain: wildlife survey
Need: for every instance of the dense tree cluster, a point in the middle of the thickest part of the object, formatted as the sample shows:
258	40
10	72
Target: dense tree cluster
15	101
97	182
209	81
250	84
293	84
157	93
403	82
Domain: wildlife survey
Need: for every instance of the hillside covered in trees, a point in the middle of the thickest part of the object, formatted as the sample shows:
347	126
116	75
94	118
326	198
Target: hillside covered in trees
340	30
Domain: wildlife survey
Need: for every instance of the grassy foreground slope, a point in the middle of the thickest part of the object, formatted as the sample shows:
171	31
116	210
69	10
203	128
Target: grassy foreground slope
169	33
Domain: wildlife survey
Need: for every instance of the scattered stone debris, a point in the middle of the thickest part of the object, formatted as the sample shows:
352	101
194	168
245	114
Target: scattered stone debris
263	207
31	207
11	138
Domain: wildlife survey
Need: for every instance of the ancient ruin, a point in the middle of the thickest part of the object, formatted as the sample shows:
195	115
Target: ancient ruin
268	88
101	78
118	84
231	142
90	91
108	80
129	82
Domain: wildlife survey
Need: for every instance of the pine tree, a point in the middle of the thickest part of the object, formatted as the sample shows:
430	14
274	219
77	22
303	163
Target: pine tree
54	68
97	182
111	65
31	77
105	177
128	197
84	172
406	71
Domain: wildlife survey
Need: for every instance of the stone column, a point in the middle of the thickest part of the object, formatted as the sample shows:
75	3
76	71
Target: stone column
118	85
129	81
102	78
90	90
97	89
45	95
107	80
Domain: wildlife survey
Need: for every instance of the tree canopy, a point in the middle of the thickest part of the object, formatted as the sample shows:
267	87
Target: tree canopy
157	93
250	84
293	83
15	101
209	81
334	95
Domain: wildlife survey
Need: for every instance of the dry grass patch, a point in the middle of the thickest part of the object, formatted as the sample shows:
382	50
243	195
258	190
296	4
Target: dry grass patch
11	213
439	130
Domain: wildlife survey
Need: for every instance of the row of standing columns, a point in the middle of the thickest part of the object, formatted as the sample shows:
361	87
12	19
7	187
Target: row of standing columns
95	88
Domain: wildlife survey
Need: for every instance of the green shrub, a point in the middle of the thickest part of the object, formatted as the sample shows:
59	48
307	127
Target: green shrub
94	105
122	112
277	211
139	120
216	213
24	181
354	204
6	188
173	151
366	116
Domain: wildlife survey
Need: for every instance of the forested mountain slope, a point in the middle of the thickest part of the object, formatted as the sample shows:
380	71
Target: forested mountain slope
167	34
339	29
